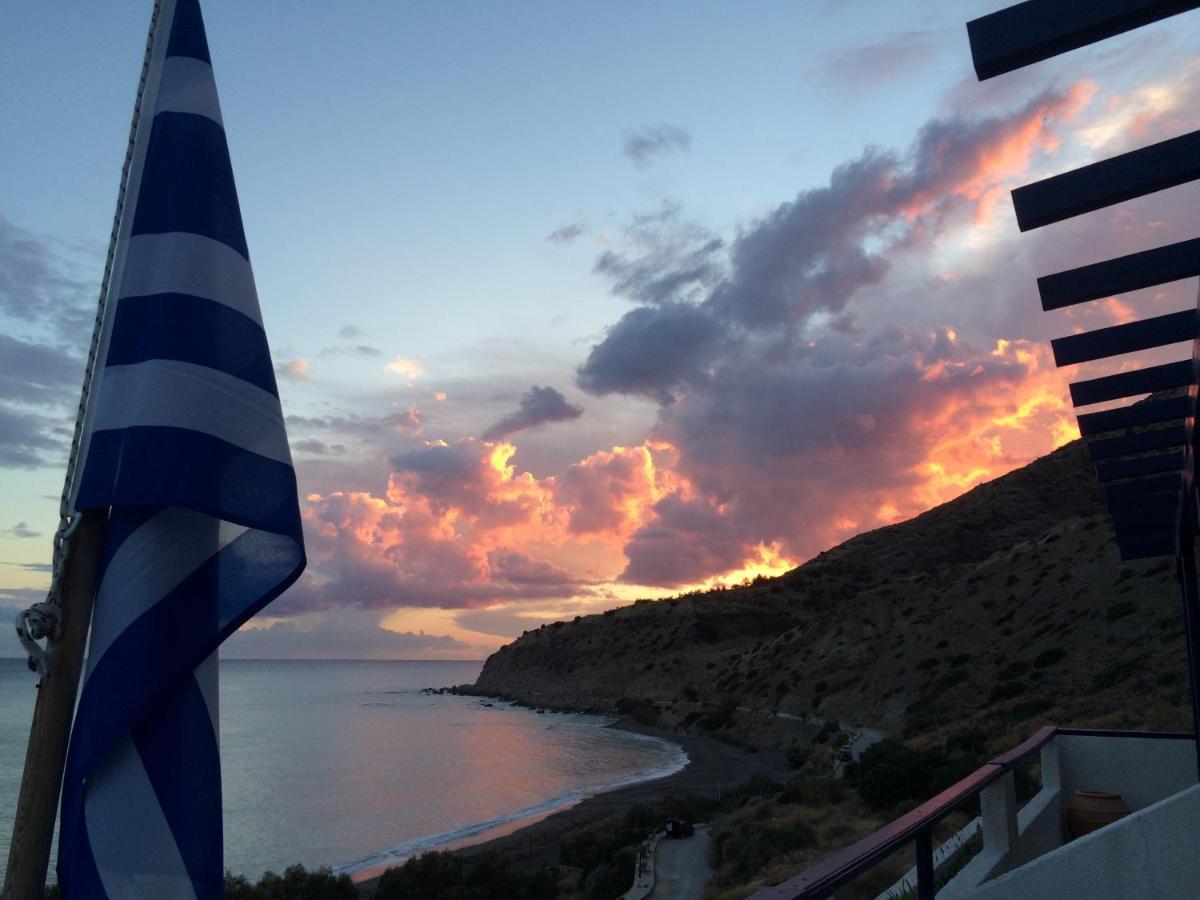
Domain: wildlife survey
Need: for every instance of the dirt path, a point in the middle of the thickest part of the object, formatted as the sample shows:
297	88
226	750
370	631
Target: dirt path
681	867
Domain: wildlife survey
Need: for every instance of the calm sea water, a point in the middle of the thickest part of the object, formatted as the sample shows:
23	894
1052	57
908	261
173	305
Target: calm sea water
349	765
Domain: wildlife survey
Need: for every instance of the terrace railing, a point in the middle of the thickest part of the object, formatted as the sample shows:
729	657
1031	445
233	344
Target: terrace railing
916	827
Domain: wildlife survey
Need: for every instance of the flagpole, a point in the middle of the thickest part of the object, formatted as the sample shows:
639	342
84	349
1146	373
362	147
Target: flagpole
66	614
33	829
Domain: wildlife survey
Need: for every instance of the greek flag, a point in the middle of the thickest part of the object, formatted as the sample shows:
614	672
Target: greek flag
184	444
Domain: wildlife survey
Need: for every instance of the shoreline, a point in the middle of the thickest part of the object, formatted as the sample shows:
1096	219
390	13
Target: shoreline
712	766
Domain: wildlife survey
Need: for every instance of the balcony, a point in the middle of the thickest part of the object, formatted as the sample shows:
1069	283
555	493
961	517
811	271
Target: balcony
1026	851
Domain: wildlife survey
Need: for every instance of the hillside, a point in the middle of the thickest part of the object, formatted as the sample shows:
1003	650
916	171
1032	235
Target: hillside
1004	608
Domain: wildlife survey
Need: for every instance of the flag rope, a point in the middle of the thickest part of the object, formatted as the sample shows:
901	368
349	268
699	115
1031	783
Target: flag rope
43	620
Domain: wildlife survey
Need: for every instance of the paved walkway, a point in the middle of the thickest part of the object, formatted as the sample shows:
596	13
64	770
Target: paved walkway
681	867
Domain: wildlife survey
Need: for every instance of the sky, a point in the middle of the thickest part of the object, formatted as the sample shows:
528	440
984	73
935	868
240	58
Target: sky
572	305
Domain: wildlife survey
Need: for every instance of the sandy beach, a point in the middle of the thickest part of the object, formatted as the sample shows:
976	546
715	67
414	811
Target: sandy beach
712	766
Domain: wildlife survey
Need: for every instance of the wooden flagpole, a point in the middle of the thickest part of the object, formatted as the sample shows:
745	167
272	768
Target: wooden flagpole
78	553
37	807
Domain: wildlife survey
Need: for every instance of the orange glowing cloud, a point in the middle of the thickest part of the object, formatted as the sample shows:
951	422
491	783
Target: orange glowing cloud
991	166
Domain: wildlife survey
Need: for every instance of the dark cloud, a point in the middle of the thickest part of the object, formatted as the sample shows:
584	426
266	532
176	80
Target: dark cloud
47	282
22	531
652	350
41	568
651	141
777	448
796	423
539	406
807	258
318	448
350	332
361	350
334	634
37	373
566	234
30	440
409	421
668	260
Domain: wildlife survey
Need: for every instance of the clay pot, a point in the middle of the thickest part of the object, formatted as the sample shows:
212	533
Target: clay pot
1090	810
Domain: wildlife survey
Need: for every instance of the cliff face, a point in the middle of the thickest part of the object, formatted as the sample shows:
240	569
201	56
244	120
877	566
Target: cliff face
1005	606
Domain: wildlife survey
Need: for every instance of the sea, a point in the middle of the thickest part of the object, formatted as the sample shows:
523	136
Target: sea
353	765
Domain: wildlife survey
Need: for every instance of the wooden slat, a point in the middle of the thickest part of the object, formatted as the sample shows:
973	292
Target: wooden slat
1112	469
1150	546
1121	275
1147	519
1124	495
1145	334
1149	412
1131	384
1140	442
1134	174
1039	29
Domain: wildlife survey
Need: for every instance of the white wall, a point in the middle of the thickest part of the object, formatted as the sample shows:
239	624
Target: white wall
1141	770
1151	853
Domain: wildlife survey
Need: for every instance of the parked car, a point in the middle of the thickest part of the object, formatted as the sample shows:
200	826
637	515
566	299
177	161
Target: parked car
678	829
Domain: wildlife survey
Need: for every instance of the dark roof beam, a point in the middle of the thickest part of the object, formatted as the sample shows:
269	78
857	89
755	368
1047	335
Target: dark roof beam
1115	340
1134	174
1121	275
1132	384
1039	29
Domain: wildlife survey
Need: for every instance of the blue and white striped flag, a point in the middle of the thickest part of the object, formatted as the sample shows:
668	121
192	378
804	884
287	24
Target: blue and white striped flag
184	443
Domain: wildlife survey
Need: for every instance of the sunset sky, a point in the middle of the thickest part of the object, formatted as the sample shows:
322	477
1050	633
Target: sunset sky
571	304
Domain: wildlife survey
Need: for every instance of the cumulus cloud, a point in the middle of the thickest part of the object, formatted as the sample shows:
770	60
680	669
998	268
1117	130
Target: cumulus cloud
458	526
794	424
539	406
809	256
853	356
650	141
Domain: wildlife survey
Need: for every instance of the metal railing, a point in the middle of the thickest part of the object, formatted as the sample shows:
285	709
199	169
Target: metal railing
917	826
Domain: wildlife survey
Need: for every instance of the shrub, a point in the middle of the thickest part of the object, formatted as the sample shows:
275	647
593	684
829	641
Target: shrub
742	849
639	708
1006	690
1049	657
444	876
1120	610
797	756
611	879
1013	670
295	883
813	791
891	772
1116	673
720	715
